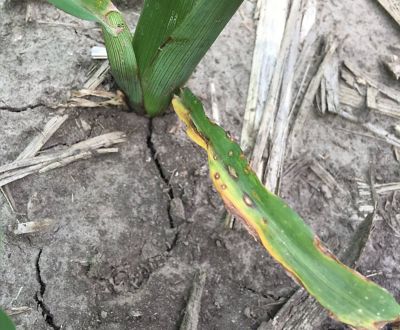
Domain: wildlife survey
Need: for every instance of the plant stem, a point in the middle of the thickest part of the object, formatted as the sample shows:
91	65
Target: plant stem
123	60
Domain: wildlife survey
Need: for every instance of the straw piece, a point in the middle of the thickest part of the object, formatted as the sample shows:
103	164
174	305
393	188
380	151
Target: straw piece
81	150
270	31
392	7
273	171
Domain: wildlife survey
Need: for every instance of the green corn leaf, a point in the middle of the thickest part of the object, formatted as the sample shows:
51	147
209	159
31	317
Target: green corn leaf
170	40
90	10
158	20
5	322
350	297
122	60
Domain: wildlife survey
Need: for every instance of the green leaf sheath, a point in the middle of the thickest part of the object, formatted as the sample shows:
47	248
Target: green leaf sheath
5	322
350	297
123	60
90	10
169	46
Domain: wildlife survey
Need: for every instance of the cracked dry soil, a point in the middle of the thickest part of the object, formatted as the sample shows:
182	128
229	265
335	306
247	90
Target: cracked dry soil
132	229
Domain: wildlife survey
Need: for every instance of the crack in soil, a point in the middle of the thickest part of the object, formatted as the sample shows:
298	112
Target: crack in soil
39	296
21	109
154	156
264	295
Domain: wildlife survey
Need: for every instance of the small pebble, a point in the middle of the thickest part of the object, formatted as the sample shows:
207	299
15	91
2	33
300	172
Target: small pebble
326	192
247	312
136	314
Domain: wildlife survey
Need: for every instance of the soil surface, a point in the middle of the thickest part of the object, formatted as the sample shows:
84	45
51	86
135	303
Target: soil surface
133	229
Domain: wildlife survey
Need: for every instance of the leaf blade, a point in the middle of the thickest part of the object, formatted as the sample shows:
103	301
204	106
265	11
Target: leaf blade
349	296
157	21
5	321
181	50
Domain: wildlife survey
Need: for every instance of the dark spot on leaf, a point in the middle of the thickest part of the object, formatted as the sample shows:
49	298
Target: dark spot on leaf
247	200
232	172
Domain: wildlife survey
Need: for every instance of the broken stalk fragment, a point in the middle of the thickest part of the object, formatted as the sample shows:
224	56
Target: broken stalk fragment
346	294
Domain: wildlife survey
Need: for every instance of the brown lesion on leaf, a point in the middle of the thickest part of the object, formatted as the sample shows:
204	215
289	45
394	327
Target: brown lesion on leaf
395	324
232	172
168	40
165	43
256	196
248	169
238	214
116	29
294	276
230	138
247	200
110	7
324	250
366	279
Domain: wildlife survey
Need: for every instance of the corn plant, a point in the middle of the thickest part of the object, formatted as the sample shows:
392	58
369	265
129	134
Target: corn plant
171	38
150	65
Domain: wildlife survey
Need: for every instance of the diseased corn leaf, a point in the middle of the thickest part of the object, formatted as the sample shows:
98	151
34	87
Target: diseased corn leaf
350	297
5	322
170	40
90	10
123	60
